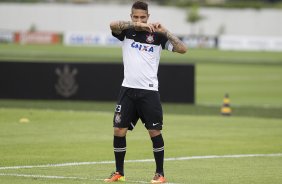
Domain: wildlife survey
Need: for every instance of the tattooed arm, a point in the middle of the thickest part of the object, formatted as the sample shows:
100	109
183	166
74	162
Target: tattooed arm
118	26
178	45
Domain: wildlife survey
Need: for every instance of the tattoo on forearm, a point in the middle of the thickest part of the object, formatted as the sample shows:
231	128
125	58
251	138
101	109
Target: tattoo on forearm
174	41
119	26
125	25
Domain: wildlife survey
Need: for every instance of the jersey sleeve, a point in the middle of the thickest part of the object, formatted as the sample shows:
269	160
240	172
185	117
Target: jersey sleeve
166	44
120	36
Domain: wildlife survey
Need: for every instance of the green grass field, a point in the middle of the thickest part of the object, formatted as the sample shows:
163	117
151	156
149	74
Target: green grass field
248	143
65	136
94	54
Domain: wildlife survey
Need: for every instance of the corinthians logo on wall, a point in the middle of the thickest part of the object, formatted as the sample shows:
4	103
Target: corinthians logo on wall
66	84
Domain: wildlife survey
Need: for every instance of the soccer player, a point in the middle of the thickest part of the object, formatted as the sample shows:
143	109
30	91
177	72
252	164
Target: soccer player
142	43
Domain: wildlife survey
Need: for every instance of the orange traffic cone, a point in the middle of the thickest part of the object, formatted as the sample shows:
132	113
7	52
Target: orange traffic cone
226	109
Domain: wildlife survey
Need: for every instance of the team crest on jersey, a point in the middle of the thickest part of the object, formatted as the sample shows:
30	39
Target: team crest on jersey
150	38
117	118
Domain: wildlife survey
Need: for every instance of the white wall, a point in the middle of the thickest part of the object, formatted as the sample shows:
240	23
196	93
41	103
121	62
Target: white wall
96	18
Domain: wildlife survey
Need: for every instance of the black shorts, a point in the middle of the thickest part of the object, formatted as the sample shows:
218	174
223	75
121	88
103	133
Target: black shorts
138	103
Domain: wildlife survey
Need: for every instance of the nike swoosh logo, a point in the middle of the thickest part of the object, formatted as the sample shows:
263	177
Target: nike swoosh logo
154	124
134	35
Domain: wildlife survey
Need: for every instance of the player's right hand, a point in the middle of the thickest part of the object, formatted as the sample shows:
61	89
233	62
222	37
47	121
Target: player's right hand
140	26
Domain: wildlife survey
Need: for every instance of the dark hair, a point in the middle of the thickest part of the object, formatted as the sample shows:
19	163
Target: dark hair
140	5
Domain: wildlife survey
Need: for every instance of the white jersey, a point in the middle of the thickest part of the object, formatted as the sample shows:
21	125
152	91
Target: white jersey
141	55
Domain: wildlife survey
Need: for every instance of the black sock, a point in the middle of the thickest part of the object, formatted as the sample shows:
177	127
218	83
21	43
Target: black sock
119	150
158	149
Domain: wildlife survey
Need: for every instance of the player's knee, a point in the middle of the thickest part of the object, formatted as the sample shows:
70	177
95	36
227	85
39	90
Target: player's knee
120	132
154	133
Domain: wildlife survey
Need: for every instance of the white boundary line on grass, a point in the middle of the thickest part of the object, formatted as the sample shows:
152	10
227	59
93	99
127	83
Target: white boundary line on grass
111	162
41	176
144	160
64	177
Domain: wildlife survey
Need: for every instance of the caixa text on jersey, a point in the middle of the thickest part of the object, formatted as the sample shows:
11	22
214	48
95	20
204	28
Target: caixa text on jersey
141	47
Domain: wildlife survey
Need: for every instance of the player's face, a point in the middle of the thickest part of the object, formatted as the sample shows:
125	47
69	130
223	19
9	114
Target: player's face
138	15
